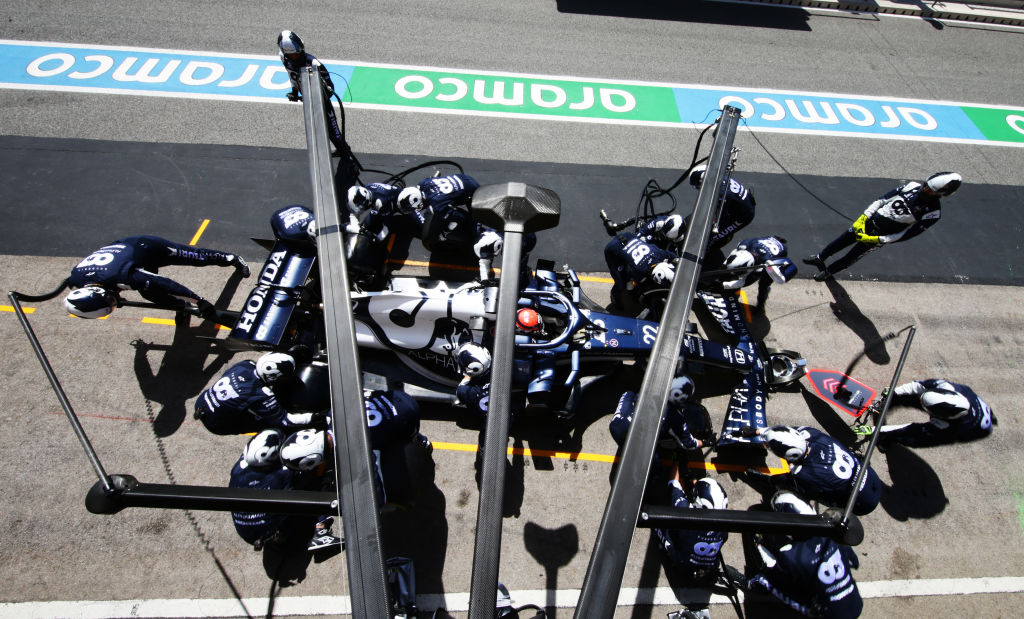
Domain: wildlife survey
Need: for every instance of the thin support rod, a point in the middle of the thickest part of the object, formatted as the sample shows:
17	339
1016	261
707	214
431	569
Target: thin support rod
881	420
76	425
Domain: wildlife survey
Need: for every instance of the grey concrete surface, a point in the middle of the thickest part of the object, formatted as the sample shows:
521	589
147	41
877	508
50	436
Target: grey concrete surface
949	512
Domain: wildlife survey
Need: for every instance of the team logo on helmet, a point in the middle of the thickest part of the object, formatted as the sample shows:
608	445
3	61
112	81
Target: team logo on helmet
473	358
274	365
90	302
359	199
786	443
944	183
709	494
681	390
304	450
673	228
410	200
263	448
787	502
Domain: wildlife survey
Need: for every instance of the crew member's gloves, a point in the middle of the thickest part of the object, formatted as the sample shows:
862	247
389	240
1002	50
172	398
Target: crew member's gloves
859	230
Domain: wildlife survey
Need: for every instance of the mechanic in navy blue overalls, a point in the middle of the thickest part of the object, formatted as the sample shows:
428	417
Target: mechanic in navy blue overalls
766	258
694	553
260	467
243	400
440	207
811	575
132	263
821	468
738	208
957	415
899	215
645	256
292	53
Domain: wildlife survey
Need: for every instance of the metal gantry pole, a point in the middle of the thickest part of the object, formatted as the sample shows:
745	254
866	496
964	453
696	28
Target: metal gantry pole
367	573
515	208
603	580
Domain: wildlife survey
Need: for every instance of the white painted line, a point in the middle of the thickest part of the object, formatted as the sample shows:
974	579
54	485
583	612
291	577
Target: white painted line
459	602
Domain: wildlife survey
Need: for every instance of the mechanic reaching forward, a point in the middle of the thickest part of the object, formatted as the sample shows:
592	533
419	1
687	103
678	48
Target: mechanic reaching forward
439	207
694	552
260	467
899	215
810	575
957	414
737	208
646	257
132	263
685	425
820	468
242	400
768	253
292	53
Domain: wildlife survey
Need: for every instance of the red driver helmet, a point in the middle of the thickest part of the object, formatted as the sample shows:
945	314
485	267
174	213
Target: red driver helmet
527	319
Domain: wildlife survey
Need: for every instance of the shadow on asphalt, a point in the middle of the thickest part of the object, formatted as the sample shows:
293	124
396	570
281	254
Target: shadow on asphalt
176	378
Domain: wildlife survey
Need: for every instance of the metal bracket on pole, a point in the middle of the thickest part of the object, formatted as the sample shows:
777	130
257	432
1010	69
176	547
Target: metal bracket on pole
367	574
603	580
514	208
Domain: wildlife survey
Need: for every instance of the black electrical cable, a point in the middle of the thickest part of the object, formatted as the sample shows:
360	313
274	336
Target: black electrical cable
793	178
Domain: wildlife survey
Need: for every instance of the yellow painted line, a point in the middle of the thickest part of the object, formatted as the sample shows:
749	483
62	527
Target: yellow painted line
199	232
600	280
592	457
170	322
10	308
746	305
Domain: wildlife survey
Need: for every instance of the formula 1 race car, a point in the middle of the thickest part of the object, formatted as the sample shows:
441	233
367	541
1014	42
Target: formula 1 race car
410	330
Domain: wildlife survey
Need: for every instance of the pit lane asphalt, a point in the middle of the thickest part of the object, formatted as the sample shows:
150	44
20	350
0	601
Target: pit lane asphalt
948	512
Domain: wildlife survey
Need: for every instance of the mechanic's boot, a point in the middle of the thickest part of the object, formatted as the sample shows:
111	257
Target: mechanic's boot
821	276
815	261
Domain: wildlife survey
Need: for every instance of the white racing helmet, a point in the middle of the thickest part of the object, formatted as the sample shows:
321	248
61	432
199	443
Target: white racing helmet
786	442
673	228
663	273
274	365
304	450
709	494
359	199
262	449
739	258
945	402
473	359
410	200
290	44
681	390
944	183
90	302
787	502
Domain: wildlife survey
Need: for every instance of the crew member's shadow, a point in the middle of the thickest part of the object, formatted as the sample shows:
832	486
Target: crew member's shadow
183	371
916	490
420	531
850	315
